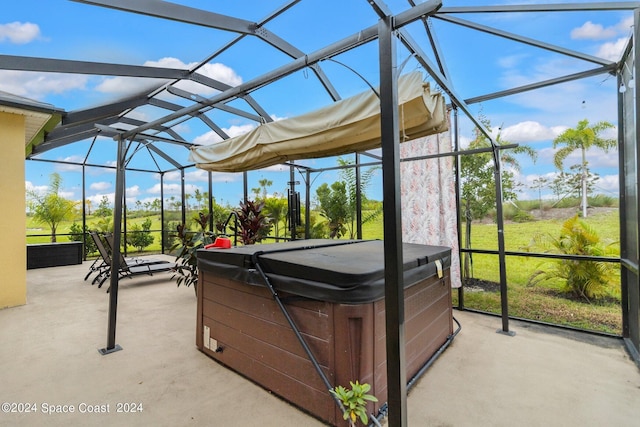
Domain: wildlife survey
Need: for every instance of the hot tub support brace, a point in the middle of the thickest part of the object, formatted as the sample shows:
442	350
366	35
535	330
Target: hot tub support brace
296	331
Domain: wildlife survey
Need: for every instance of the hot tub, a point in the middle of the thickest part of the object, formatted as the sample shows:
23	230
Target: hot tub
335	296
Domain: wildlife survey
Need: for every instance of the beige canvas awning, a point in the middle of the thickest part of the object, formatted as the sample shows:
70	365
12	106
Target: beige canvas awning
346	126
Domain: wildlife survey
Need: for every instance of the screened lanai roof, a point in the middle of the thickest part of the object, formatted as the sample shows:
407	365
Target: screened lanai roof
215	72
198	72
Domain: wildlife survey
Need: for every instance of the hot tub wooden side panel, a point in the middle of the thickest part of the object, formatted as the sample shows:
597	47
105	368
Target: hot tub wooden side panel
257	341
348	340
428	324
252	311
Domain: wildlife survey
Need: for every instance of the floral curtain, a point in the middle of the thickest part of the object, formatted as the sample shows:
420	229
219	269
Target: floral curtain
429	197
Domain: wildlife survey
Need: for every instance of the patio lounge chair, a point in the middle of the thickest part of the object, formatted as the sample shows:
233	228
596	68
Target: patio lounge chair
129	266
103	262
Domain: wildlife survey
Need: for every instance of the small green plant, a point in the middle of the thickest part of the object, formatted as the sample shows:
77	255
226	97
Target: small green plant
585	279
354	401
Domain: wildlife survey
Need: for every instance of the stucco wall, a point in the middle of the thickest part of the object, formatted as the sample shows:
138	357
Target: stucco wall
13	281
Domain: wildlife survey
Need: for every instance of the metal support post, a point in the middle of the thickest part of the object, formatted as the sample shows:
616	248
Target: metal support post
393	274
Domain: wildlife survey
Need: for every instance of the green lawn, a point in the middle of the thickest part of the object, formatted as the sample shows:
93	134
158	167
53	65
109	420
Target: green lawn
547	303
542	303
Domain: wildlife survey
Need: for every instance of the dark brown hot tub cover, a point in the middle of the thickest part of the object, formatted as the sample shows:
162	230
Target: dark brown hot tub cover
348	272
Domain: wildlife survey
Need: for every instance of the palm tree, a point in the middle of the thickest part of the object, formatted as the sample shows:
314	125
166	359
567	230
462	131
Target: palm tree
51	208
583	137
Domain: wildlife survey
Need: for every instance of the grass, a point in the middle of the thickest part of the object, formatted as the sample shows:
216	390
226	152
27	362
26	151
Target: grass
546	303
542	303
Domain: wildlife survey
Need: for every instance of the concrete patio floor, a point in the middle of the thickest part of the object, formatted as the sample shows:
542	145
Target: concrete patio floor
49	358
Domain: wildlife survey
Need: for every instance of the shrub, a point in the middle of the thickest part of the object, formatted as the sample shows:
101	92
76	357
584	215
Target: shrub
253	226
585	279
76	234
601	200
139	236
522	216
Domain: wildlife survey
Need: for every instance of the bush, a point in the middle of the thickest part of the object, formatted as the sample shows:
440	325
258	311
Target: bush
584	279
253	226
76	234
601	200
139	236
522	216
567	202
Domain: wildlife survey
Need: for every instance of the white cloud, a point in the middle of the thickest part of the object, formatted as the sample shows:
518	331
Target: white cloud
225	177
612	50
172	176
557	130
197	175
609	183
172	189
100	186
214	71
464	142
133	191
137	114
129	85
67	194
65	165
528	131
592	31
528	180
598	158
207	138
511	61
168	189
625	25
37	189
19	32
97	198
39	85
275	168
236	130
211	137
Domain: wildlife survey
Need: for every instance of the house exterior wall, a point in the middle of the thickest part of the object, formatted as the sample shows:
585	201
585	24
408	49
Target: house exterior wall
13	284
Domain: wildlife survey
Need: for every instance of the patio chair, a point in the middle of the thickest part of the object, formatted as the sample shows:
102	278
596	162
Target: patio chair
103	262
129	266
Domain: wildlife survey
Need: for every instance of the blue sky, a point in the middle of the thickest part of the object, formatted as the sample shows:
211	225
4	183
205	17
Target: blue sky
478	64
